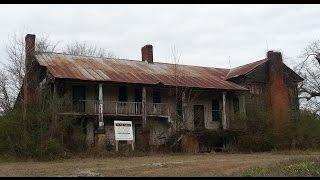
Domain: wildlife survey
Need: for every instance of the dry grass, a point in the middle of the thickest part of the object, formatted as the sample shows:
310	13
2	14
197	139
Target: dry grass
213	164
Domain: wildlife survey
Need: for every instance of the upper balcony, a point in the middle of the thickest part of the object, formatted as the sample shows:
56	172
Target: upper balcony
115	108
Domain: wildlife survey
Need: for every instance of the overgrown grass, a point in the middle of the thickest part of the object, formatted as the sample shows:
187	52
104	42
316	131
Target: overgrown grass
295	167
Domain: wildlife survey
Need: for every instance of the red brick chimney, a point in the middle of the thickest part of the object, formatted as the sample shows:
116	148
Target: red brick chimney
30	45
277	91
29	88
147	53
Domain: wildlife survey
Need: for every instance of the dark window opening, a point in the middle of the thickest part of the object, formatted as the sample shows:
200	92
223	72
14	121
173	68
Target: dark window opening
138	95
61	89
79	96
123	93
156	96
236	104
215	110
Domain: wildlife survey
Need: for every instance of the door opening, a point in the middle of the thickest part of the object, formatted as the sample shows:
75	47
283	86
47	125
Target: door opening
198	111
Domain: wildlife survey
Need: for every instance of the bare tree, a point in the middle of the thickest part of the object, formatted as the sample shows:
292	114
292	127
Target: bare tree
185	96
85	49
13	70
309	69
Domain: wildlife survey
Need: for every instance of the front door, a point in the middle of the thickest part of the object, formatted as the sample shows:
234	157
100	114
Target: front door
79	97
198	116
138	135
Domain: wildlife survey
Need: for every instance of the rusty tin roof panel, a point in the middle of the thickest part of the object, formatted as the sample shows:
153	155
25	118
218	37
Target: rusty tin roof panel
241	70
132	71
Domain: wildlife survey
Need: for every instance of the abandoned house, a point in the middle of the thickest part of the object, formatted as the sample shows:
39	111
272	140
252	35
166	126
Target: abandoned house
158	95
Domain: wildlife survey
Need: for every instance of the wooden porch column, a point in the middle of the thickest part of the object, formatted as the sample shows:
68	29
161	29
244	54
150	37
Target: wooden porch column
184	105
242	104
101	123
224	116
144	107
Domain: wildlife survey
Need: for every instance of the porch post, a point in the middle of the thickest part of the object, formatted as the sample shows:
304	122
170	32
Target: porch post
242	104
101	123
144	106
224	117
183	105
145	130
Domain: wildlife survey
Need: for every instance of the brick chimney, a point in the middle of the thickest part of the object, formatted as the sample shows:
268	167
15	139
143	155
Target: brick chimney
30	45
275	61
277	91
29	81
147	53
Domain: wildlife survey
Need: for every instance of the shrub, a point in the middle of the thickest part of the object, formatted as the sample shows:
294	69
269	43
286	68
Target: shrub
40	134
209	139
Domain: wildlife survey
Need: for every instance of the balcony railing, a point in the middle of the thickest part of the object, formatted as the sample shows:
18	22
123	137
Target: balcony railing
79	107
122	108
158	109
114	108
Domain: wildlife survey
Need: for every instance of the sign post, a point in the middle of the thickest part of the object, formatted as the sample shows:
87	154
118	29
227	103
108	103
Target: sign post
123	132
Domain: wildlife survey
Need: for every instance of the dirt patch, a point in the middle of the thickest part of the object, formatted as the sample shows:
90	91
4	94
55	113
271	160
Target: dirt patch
206	164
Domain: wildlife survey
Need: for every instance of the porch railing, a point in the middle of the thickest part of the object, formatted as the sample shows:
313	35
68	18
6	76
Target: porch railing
160	109
113	108
122	108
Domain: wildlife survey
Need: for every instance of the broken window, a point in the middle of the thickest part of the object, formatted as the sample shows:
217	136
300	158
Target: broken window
123	93
215	110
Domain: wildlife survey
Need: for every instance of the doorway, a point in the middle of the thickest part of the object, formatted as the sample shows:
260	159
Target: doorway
138	136
198	117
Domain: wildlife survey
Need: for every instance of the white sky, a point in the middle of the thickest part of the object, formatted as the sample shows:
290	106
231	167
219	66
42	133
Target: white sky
206	35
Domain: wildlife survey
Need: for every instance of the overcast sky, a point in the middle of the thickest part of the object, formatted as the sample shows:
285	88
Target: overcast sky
206	35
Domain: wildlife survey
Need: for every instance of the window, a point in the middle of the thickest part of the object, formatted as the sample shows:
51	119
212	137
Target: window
156	96
256	89
138	95
236	104
79	96
215	110
123	94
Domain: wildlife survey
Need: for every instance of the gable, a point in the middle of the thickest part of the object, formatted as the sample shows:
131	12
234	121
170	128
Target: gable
256	71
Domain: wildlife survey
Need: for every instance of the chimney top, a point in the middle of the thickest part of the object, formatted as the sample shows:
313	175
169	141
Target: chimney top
147	53
274	55
30	45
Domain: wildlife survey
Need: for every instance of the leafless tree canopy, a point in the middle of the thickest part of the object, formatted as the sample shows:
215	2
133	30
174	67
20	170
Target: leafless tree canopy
309	69
85	49
13	71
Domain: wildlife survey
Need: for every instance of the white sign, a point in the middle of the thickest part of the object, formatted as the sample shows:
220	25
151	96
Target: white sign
123	130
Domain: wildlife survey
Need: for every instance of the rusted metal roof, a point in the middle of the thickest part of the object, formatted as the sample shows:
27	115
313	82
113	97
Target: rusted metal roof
133	71
241	70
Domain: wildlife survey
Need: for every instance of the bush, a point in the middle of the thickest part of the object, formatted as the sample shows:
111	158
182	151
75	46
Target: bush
209	139
303	133
40	134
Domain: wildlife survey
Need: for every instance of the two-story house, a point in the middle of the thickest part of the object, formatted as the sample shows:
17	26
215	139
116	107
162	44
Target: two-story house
157	95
